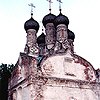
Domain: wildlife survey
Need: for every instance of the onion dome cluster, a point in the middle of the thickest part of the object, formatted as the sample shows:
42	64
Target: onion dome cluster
31	24
60	19
48	19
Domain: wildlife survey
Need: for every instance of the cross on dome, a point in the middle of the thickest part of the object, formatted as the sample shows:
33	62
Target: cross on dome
59	5
32	6
50	5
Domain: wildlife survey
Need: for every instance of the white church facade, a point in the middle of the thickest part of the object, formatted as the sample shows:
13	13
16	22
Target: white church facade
48	69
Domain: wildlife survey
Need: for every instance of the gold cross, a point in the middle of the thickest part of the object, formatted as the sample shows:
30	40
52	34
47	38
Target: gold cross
50	5
59	4
31	5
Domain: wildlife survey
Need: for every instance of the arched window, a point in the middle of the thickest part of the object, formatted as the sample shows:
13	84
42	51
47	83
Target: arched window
14	95
19	97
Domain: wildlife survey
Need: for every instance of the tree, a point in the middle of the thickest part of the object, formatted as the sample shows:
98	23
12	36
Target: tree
5	73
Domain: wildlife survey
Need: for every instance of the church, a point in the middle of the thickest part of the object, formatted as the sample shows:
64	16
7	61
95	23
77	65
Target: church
49	69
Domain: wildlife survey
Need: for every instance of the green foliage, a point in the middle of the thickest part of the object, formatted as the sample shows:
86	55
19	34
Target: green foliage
5	73
5	70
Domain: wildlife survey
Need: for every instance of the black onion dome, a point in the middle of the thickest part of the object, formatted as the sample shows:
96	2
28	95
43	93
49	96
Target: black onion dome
41	39
61	19
31	24
48	19
71	35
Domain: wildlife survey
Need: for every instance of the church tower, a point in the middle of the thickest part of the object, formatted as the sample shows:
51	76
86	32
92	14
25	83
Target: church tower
31	27
48	22
48	69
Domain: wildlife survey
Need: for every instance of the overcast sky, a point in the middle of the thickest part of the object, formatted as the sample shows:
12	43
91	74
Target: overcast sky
84	16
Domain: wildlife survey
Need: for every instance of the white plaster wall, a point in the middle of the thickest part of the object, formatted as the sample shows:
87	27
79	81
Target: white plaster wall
68	93
25	93
64	67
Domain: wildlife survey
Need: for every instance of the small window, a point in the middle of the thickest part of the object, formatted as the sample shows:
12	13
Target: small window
72	98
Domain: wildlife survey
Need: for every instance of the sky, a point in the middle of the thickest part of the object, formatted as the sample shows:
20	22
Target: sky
84	17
